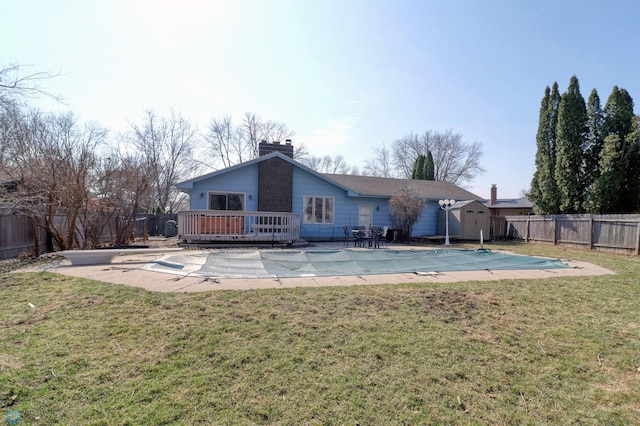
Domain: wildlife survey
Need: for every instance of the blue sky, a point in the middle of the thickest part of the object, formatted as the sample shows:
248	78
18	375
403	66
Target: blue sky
345	75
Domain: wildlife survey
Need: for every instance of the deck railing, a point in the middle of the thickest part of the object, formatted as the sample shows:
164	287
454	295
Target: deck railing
225	225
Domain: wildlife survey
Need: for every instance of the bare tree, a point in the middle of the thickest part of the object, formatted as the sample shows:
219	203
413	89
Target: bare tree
122	187
355	170
405	210
327	164
19	81
300	152
232	144
404	153
454	160
380	165
224	141
254	130
311	161
166	144
335	164
51	162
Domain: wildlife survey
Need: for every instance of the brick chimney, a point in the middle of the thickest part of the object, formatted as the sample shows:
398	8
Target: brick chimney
275	178
494	195
265	148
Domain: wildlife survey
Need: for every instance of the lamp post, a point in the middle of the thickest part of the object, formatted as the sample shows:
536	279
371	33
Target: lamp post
446	205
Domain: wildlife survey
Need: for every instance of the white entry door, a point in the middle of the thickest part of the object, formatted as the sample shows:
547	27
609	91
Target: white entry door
365	216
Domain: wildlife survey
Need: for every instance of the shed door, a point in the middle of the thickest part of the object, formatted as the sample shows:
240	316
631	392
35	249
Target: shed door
365	216
474	221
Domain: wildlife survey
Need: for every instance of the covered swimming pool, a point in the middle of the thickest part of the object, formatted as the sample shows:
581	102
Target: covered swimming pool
276	263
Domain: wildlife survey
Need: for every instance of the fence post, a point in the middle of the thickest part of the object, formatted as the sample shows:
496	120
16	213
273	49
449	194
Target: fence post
555	231
591	231
638	236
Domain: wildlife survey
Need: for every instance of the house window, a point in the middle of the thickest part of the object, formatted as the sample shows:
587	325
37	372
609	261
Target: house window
318	209
226	201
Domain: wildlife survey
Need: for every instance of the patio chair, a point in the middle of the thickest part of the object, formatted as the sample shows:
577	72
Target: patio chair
376	236
360	236
383	236
347	236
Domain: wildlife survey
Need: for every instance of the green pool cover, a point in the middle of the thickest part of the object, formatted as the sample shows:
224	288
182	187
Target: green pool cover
300	263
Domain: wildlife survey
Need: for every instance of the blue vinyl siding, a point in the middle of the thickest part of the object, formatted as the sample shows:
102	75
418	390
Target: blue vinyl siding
428	222
305	183
244	180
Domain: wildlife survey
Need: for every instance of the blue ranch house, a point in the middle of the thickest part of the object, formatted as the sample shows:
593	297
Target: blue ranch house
273	198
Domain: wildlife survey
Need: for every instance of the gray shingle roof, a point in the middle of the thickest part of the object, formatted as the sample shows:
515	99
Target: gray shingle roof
387	187
511	203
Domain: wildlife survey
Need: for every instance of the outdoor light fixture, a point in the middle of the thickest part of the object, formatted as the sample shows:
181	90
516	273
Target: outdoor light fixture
250	197
202	195
446	205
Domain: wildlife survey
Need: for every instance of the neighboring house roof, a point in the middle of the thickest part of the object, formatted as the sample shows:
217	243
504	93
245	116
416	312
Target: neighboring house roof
367	186
511	203
388	187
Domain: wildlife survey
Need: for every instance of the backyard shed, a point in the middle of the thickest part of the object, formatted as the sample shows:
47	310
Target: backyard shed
466	219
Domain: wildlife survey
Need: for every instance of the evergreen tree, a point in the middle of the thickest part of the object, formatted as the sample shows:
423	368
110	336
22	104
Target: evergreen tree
420	171
414	172
592	148
633	175
429	167
617	188
571	134
542	156
543	187
418	168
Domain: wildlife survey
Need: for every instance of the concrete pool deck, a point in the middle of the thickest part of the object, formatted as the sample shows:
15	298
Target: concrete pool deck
126	270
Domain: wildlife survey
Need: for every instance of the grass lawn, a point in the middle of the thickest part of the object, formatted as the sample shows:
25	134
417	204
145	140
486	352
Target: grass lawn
552	351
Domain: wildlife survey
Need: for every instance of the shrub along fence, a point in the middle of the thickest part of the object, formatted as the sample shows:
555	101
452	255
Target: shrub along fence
619	233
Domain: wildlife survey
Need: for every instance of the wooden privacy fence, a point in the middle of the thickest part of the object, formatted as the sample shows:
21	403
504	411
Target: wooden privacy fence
619	233
18	236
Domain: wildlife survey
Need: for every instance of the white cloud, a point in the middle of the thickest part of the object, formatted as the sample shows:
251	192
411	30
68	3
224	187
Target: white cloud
330	139
336	136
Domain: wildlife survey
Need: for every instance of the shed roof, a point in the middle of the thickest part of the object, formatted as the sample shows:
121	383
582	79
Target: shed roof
463	203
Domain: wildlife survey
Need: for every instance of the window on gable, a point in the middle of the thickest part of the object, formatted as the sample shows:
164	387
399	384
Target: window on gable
226	201
318	209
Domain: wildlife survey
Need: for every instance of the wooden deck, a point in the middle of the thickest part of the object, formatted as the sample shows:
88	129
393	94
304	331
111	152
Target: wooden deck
238	226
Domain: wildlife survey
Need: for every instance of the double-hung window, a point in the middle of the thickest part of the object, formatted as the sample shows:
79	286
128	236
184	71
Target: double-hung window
226	201
318	209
